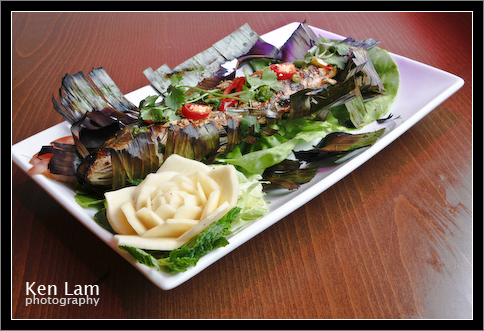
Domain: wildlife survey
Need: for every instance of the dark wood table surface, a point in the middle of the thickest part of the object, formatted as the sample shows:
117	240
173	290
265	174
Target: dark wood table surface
392	244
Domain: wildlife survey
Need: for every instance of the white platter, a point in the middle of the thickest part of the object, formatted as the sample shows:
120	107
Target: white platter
422	89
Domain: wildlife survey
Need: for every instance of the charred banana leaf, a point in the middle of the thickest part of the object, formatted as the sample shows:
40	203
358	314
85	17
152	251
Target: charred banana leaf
96	127
136	161
64	159
78	96
196	142
234	135
96	112
247	111
132	155
289	174
360	83
311	100
111	91
205	64
295	48
332	150
128	155
93	114
336	145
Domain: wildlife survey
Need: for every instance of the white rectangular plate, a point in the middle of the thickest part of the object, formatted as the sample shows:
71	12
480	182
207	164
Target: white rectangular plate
422	89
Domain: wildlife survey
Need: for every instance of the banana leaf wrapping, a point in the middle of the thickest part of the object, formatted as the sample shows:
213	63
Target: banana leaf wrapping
78	96
207	63
330	151
197	142
136	161
95	112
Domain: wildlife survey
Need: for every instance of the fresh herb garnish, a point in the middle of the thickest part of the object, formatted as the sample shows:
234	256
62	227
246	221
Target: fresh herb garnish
153	113
264	93
268	81
256	88
176	94
330	51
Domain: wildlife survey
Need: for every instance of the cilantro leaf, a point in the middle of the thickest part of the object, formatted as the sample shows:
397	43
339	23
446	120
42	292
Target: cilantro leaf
268	78
176	94
151	112
149	101
176	79
158	114
175	98
335	46
337	61
260	88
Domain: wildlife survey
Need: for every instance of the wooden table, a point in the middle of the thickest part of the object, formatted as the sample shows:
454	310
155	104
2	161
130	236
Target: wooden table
392	245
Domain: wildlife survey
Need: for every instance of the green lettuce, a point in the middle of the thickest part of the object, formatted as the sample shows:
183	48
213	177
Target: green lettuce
387	69
268	151
188	255
213	237
251	198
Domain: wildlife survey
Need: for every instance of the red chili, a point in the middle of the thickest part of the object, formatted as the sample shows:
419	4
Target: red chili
195	111
236	86
284	70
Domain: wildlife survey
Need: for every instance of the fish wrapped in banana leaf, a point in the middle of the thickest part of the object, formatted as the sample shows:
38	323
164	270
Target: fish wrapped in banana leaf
269	102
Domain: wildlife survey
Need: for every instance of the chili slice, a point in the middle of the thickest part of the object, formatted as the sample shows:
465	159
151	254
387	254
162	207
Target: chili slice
284	70
195	111
235	85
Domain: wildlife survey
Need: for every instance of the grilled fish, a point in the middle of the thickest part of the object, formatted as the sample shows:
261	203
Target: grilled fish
310	77
130	150
97	168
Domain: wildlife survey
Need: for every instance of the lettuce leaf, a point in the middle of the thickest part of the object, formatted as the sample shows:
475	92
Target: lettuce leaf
209	239
180	259
141	256
387	69
88	198
272	150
